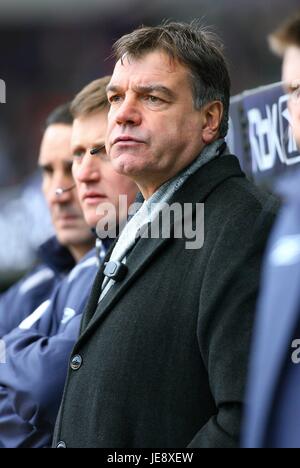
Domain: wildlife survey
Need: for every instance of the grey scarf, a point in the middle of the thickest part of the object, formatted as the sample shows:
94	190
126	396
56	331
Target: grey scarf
151	207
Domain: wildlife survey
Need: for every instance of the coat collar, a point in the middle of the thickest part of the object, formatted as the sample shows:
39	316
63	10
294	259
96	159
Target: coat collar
195	190
56	256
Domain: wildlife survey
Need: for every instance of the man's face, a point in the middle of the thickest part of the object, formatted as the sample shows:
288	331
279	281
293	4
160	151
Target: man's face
97	181
291	79
154	130
55	161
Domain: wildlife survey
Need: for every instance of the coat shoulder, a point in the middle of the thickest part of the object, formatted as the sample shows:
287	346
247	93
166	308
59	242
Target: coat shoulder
239	200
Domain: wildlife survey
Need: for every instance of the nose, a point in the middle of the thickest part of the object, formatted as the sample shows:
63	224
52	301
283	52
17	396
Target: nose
87	170
128	113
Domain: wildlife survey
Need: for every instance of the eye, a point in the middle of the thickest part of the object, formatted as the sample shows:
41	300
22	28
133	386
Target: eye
153	99
101	152
68	170
114	99
47	171
153	102
295	93
79	153
293	90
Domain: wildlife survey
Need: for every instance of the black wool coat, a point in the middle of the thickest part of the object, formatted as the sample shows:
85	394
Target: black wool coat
162	360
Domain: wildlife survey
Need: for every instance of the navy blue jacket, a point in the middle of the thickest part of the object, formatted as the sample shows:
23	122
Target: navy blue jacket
273	409
25	296
37	354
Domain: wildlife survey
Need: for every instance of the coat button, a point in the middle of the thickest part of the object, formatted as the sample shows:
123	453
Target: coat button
76	362
61	445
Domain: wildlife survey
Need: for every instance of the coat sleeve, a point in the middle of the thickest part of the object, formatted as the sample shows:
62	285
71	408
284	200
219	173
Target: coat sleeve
35	371
15	432
9	321
24	297
226	315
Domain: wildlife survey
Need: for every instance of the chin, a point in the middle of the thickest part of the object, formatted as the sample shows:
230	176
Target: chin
126	165
66	239
129	170
75	237
91	220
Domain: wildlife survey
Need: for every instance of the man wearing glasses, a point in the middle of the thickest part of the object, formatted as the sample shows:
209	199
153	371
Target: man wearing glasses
273	414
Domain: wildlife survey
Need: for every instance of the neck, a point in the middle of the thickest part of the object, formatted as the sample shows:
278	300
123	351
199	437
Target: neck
147	191
79	251
149	186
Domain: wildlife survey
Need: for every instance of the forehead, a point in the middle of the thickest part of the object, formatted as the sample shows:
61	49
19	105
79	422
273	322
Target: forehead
89	129
55	144
153	67
291	65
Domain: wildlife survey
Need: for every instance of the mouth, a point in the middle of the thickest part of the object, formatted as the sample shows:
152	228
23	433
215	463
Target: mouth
93	198
67	220
127	139
67	217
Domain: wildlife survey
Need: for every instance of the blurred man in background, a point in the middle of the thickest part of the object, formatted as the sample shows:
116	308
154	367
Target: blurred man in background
38	351
37	323
73	237
96	180
273	415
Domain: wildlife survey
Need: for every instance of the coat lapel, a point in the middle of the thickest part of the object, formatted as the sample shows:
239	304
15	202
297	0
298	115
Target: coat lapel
96	291
195	190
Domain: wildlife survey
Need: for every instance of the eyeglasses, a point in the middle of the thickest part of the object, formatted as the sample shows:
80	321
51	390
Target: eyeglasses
96	150
293	90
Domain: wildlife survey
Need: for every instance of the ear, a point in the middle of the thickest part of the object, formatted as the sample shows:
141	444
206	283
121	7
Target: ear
212	117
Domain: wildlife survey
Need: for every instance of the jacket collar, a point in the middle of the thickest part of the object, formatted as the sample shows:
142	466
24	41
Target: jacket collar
56	256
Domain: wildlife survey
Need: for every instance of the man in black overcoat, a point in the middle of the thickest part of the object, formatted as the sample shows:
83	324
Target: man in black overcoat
163	352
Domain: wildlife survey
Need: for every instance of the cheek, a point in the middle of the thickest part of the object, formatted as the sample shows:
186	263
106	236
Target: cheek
118	185
109	181
74	171
174	128
47	190
75	201
294	108
79	188
295	117
110	123
297	111
69	179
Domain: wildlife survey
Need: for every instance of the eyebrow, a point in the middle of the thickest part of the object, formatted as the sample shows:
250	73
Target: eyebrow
83	148
49	166
45	167
290	85
145	89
